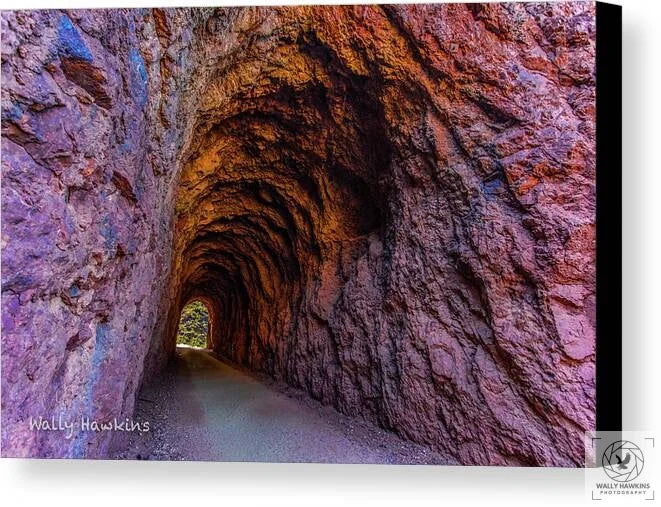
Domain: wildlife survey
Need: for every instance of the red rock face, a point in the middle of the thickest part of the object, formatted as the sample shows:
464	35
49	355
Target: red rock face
390	207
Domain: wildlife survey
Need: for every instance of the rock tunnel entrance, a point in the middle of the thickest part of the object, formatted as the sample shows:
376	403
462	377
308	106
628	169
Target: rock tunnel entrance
266	224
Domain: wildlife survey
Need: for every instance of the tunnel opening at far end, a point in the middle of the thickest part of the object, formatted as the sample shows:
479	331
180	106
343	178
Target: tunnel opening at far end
194	326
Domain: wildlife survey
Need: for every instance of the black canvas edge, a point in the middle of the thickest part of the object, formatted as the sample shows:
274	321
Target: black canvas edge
609	217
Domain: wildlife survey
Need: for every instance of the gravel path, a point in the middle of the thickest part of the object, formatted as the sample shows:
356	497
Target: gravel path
204	409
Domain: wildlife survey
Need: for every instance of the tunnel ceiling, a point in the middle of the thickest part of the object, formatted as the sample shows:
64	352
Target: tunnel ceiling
389	207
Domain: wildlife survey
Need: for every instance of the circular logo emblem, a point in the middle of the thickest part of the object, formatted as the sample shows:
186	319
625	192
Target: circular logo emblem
623	461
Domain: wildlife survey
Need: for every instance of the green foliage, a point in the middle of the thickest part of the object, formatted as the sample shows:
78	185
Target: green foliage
193	325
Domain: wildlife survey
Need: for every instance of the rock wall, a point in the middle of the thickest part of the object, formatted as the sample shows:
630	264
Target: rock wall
390	207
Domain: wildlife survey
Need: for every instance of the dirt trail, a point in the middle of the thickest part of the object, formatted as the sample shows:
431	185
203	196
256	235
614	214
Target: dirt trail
203	409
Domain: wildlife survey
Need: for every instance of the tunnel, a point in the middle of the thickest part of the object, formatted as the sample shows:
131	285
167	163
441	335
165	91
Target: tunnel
266	216
379	207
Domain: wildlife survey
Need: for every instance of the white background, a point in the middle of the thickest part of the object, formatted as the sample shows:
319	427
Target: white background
24	482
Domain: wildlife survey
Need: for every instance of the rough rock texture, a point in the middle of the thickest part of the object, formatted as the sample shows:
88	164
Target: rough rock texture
390	207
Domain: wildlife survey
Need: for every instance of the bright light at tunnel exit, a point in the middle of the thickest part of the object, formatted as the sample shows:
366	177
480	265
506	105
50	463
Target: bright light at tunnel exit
193	330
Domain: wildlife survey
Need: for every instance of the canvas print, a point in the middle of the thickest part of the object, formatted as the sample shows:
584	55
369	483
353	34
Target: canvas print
340	234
